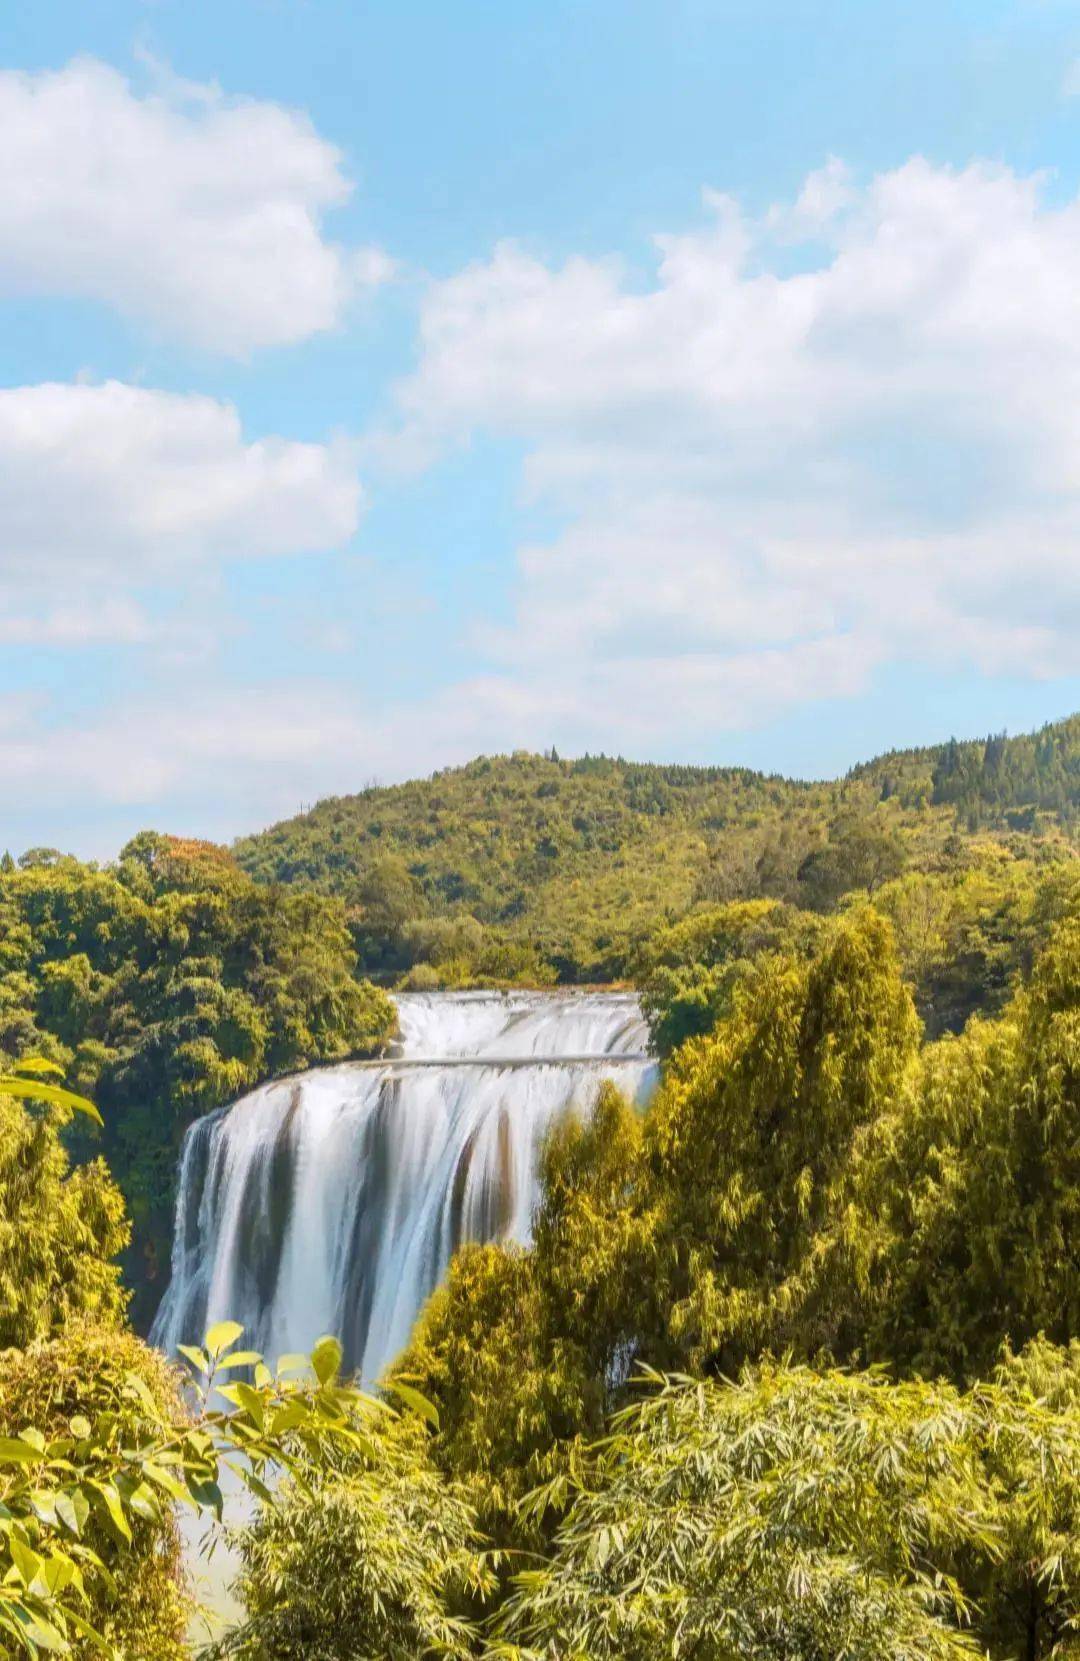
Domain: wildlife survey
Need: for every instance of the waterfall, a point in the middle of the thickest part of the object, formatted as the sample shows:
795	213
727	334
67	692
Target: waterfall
332	1201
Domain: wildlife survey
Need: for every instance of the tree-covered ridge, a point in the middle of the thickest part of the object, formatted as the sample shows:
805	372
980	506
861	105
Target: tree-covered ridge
534	866
966	932
166	985
1014	776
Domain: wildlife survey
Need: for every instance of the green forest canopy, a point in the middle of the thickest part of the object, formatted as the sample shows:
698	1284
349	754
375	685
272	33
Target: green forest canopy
165	986
530	865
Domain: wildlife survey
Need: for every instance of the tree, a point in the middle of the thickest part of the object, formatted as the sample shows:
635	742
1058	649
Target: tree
166	986
84	1377
76	1562
390	898
801	1515
687	971
790	1515
749	1141
986	1188
523	1351
1028	1589
677	1241
860	854
365	1551
60	1229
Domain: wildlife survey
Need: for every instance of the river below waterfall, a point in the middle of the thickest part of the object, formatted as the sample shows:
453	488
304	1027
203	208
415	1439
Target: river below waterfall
332	1201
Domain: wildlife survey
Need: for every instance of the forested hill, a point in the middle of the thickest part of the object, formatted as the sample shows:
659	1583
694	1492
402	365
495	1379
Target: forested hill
534	867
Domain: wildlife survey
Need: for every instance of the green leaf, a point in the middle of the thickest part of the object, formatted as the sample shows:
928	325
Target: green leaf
143	1502
239	1358
73	1508
293	1364
326	1359
206	1493
288	1417
138	1387
248	1400
111	1501
41	1633
416	1402
198	1358
43	1505
222	1337
26	1560
39	1064
167	1482
55	1575
14	1451
32	1090
80	1427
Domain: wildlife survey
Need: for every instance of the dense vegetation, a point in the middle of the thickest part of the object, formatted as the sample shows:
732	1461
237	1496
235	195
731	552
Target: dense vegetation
164	986
60	1228
815	1181
533	866
175	979
792	1367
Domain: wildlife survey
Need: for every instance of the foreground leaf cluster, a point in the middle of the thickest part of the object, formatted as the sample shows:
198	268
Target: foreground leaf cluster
87	1502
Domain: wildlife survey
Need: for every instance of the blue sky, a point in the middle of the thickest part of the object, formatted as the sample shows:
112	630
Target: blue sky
383	384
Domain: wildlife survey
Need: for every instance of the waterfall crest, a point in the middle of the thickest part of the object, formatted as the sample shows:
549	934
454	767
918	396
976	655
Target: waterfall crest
332	1201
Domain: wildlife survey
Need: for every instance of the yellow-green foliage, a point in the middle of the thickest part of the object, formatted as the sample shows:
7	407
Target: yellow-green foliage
508	1401
367	1551
165	986
687	971
809	1178
113	1449
800	1515
85	1372
977	1186
60	1229
669	1240
749	1141
573	863
967	932
516	1346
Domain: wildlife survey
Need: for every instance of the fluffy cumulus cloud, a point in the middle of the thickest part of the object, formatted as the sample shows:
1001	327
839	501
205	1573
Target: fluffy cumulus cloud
197	213
122	482
844	434
838	437
116	497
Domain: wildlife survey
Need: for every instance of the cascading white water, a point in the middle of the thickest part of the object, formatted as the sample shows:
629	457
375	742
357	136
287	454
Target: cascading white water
332	1201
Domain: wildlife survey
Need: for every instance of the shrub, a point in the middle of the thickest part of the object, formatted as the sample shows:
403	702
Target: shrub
86	1372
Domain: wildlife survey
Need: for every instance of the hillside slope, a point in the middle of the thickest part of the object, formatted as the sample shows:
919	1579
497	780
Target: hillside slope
530	866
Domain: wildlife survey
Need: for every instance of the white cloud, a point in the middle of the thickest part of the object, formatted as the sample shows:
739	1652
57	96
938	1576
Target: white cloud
774	480
218	760
195	212
114	621
776	471
116	482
